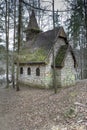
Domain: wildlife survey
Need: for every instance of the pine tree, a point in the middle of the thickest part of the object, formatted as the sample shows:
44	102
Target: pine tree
77	26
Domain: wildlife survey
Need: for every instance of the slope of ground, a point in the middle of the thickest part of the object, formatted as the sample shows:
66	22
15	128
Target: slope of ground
36	109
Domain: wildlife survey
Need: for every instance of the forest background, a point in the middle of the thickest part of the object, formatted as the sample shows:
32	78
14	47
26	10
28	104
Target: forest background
14	17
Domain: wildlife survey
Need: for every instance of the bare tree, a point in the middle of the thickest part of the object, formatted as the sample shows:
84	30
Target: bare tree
7	41
13	67
54	72
19	41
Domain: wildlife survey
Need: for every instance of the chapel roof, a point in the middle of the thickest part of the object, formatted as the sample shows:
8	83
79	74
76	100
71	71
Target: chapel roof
38	49
40	57
46	39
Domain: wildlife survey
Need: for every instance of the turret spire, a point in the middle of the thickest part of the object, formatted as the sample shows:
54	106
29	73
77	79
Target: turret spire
33	22
33	28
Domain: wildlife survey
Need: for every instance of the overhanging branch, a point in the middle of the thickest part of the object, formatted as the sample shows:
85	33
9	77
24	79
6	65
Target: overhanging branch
47	10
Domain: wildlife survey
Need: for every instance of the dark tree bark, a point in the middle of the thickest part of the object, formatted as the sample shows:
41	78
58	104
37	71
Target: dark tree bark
19	42
85	12
54	72
13	67
7	42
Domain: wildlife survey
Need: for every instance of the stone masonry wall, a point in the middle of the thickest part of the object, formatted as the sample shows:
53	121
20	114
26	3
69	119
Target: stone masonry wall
32	79
68	72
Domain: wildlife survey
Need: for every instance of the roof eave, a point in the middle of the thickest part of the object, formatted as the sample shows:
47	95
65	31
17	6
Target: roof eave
32	63
58	67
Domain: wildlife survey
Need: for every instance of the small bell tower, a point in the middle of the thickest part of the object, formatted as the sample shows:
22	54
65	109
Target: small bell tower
33	28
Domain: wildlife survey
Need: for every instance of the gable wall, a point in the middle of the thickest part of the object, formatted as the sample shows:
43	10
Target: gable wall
49	70
68	71
58	44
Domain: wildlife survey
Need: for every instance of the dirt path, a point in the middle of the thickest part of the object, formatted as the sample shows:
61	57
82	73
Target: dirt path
36	109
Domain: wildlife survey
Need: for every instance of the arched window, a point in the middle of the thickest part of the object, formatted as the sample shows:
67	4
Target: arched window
29	71
21	70
37	72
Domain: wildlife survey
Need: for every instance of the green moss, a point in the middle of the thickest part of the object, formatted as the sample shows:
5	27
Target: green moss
36	56
73	94
61	55
70	113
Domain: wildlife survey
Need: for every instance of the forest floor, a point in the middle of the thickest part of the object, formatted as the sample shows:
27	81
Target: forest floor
41	109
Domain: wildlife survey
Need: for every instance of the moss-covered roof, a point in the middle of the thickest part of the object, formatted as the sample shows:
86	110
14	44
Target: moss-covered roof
26	56
61	56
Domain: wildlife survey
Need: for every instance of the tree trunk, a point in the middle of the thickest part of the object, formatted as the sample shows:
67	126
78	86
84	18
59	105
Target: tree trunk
13	67
54	71
19	42
85	12
7	43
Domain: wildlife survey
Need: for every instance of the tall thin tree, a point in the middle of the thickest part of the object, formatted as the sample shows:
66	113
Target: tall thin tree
19	41
13	67
54	72
7	41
